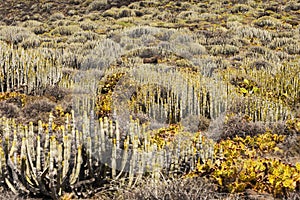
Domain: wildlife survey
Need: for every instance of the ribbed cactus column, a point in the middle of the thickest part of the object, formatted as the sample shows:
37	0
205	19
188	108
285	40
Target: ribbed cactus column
30	142
117	133
106	125
38	147
101	139
133	160
156	164
67	142
2	165
87	142
114	159
13	149
59	161
77	165
124	160
52	168
140	165
52	159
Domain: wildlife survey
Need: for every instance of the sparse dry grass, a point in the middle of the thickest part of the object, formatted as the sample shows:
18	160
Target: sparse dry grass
245	55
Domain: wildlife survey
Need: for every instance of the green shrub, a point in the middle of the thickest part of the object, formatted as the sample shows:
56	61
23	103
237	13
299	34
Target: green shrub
65	30
14	34
102	55
240	8
88	25
97	5
56	16
224	50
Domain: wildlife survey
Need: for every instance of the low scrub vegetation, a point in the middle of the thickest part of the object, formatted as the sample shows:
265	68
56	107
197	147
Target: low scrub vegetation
114	99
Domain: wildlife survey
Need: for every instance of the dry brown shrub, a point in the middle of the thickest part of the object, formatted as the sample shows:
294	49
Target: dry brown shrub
184	189
9	110
36	109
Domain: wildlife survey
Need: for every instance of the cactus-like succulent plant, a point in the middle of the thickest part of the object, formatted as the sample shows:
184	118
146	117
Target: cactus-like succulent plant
54	162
